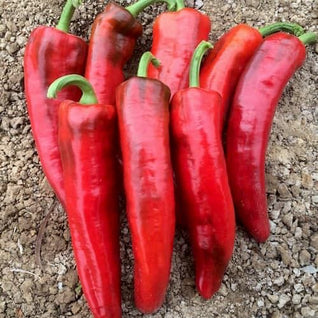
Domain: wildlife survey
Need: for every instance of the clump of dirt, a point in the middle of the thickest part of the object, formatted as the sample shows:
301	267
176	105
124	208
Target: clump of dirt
277	279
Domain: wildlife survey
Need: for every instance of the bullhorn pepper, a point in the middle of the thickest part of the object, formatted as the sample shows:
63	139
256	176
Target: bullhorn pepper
201	177
51	53
86	140
252	111
143	117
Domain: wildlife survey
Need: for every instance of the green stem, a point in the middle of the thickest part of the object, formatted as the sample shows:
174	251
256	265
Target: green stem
292	28
194	76
146	58
180	5
308	38
140	5
67	14
88	94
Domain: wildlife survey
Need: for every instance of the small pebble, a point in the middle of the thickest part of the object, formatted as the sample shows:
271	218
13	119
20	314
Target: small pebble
2	307
288	219
279	281
283	191
296	300
313	300
260	303
314	241
75	308
273	298
252	3
298	232
285	255
233	286
198	4
12	48
299	288
304	257
274	214
283	300
276	314
223	290
307	312
306	181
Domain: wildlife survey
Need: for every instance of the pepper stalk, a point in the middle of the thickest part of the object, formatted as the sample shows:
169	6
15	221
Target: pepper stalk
144	62
291	28
308	38
140	5
194	75
88	94
180	5
67	14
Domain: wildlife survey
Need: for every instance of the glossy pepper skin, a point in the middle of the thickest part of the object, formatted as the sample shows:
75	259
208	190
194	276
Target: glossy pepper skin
202	178
252	111
50	53
175	37
113	39
86	140
223	66
143	116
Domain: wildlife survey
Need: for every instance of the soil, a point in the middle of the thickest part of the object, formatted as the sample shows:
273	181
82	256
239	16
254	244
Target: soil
276	279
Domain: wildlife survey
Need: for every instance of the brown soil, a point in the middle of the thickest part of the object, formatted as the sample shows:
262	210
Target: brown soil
276	279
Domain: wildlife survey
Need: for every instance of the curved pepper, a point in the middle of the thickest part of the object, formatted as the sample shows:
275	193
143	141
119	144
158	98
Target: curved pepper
143	116
112	41
50	54
202	178
223	66
252	111
173	50
86	140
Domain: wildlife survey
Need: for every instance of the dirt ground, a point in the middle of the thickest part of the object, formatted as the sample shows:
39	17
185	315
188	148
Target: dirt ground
276	279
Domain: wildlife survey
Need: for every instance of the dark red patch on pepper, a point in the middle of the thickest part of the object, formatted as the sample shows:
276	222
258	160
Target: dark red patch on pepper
50	54
113	39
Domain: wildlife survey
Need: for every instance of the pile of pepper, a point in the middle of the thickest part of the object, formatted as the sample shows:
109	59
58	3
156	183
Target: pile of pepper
178	141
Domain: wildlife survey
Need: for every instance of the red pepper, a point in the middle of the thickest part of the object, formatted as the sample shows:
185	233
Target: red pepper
252	111
175	36
112	42
202	178
223	66
49	54
86	140
143	116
